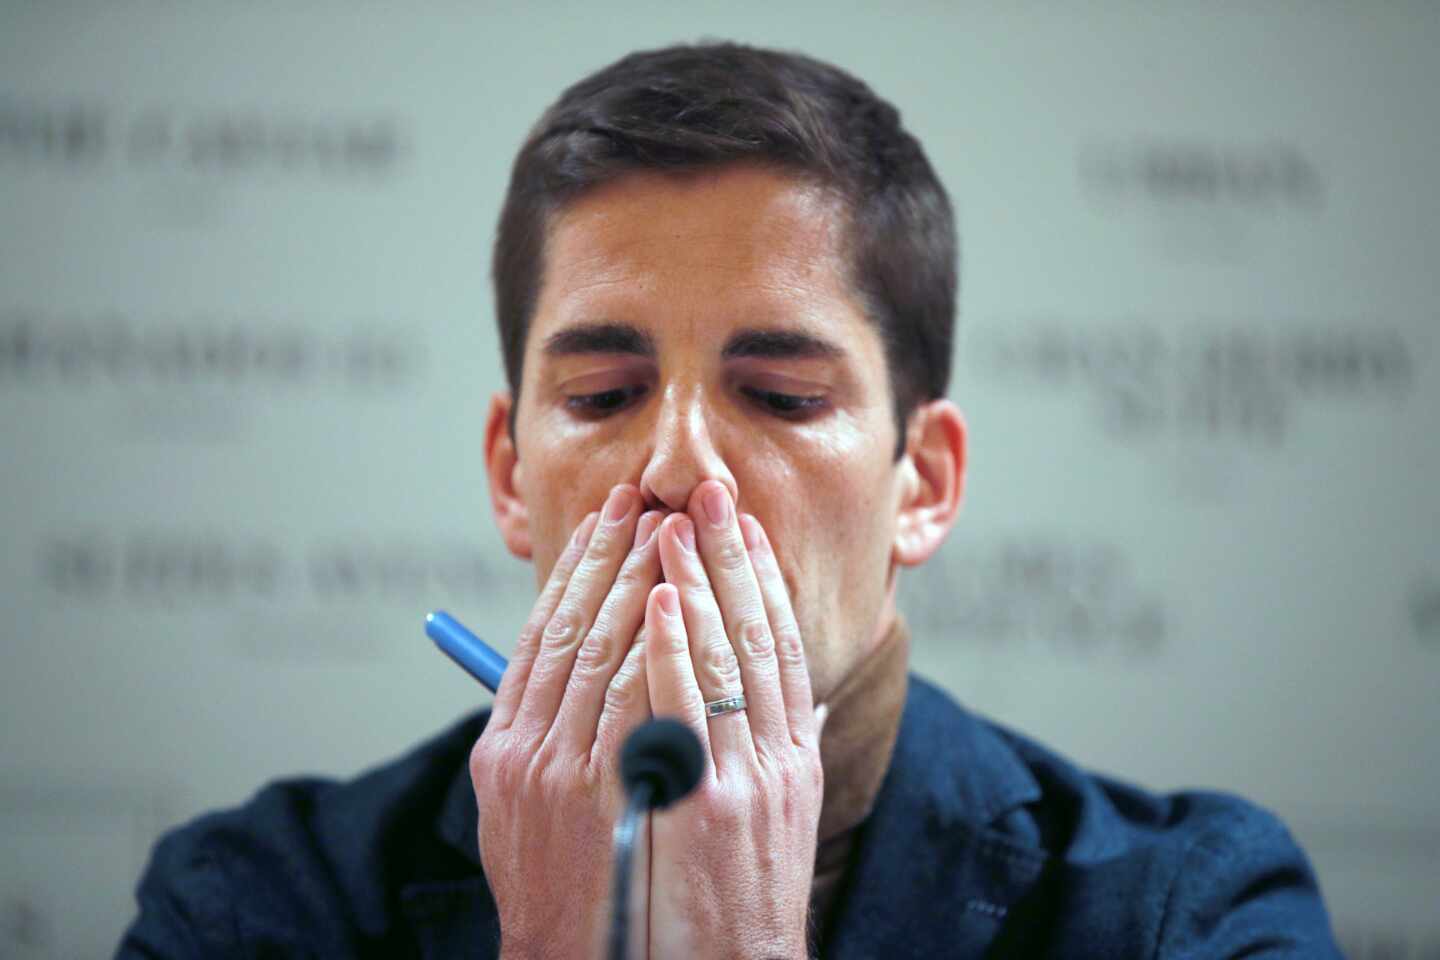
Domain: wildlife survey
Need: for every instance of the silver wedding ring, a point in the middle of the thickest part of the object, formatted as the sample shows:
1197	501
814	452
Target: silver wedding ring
728	705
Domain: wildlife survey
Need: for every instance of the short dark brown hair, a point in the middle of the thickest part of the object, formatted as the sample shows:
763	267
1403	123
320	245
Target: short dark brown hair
688	107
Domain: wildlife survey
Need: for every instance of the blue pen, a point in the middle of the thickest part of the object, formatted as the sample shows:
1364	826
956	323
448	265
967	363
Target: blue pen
477	657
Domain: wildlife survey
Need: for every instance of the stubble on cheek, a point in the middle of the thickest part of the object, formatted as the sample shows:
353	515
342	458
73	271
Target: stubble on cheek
550	537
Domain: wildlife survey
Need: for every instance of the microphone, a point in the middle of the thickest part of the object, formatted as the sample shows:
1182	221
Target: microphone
664	754
659	764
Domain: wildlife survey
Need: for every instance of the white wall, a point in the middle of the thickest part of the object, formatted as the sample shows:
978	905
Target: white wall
246	344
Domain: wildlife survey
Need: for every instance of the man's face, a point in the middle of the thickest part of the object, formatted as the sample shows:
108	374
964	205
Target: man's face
701	327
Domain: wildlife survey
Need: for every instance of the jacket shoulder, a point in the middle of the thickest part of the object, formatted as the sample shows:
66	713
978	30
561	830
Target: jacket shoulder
308	864
1190	872
1087	818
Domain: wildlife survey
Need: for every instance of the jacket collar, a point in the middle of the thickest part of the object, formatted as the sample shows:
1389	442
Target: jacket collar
941	859
949	761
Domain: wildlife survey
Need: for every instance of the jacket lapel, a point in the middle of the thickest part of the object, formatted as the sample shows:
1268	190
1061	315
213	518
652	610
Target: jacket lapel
457	917
935	873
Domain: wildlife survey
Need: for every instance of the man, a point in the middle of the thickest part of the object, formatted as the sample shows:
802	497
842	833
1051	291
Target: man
725	283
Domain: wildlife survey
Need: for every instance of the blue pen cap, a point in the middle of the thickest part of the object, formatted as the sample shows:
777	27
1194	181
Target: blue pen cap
476	656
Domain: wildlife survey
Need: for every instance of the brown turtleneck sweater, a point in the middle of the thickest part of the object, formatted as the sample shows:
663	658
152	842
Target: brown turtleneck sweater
855	749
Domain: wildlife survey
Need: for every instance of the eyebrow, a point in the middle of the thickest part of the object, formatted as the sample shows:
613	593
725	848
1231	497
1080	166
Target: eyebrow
600	338
623	338
780	345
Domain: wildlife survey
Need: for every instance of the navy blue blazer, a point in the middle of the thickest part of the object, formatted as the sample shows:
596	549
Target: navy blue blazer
981	843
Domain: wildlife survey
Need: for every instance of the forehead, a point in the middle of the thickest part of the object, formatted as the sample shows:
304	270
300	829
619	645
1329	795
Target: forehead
710	249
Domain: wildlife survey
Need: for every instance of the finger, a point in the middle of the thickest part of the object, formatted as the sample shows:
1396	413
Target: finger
789	650
669	674
626	707
609	639
517	672
716	669
563	634
747	625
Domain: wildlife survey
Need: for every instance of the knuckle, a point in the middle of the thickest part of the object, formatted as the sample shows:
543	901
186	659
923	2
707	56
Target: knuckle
798	783
799	774
730	554
593	654
672	643
518	669
551	667
670	636
479	759
726	810
608	539
563	628
585	572
788	647
623	692
530	633
628	580
787	777
755	639
493	763
628	684
718	661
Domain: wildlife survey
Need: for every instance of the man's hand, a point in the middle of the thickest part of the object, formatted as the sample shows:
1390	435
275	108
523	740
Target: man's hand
731	865
546	769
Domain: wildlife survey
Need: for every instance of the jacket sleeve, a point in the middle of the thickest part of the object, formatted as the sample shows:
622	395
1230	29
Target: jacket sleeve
185	905
1245	889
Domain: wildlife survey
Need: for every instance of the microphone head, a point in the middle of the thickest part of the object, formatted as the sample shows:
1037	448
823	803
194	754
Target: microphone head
666	753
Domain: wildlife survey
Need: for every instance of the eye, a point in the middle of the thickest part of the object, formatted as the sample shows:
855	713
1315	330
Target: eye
606	402
789	405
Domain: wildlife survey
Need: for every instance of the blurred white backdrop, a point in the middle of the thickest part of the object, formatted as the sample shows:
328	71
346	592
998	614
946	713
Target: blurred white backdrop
246	344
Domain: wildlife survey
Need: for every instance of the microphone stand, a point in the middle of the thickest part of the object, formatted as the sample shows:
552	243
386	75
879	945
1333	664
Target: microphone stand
660	762
625	830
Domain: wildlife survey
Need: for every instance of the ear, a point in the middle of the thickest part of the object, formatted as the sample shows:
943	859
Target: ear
502	463
933	481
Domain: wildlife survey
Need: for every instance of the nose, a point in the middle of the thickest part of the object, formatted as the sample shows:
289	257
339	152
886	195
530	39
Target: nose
684	452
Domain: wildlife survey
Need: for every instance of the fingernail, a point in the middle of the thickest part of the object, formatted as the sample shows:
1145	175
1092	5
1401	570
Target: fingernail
587	527
645	528
618	506
717	504
669	599
750	530
685	532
